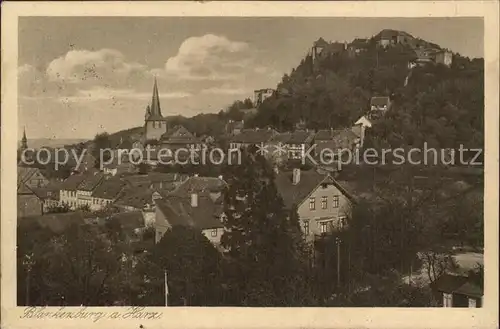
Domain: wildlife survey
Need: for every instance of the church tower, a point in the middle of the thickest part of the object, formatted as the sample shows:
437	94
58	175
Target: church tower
24	141
155	124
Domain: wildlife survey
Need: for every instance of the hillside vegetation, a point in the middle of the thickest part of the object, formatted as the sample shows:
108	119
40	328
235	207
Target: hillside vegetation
443	106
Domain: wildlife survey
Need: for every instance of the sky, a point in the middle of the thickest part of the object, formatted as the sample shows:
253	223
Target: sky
79	76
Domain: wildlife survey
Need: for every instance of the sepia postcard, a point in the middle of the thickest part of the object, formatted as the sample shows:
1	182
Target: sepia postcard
250	164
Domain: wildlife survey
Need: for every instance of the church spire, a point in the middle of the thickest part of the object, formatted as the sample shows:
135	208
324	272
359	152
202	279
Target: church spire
24	140
155	102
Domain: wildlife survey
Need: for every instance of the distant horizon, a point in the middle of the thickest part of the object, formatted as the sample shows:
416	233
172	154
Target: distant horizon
94	82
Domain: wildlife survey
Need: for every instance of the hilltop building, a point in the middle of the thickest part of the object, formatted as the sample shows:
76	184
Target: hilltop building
262	94
155	125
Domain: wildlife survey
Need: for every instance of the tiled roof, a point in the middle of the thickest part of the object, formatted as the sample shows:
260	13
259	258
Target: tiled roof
86	181
199	185
380	101
91	181
254	136
50	191
295	194
136	197
72	182
458	284
309	180
178	211
22	188
109	189
296	137
24	173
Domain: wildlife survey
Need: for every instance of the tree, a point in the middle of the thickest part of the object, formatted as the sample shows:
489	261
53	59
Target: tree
79	266
193	270
101	142
266	265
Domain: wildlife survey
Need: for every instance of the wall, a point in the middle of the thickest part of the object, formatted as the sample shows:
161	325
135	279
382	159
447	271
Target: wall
330	212
161	225
28	205
154	129
213	239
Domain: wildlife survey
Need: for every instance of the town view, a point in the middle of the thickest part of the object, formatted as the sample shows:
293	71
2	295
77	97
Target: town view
356	180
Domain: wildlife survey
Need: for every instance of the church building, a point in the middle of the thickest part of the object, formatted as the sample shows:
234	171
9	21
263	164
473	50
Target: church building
155	124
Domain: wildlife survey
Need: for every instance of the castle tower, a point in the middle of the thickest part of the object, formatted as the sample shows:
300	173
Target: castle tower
155	124
24	141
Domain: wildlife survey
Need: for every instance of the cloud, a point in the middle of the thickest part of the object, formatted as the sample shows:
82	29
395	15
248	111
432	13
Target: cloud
226	91
210	57
104	66
98	93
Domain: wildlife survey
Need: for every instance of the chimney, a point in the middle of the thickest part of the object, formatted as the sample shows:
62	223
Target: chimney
221	177
194	200
296	176
195	175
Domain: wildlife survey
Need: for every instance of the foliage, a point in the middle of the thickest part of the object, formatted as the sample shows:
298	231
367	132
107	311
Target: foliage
77	267
101	142
266	266
61	208
193	271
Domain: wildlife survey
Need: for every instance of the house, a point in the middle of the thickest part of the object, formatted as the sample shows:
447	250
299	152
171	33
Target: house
251	137
234	127
380	103
76	191
28	202
294	144
31	177
107	192
261	94
443	57
458	291
179	138
322	203
357	46
49	195
389	37
119	166
196	203
335	141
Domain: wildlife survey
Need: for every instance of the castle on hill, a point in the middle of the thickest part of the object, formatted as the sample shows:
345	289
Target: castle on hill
155	125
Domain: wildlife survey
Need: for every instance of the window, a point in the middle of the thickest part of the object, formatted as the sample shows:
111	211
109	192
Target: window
312	203
335	201
323	226
342	221
472	303
214	232
306	227
324	200
447	300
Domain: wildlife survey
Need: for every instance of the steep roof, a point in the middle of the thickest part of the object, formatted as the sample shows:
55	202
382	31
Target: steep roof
25	173
320	42
91	181
109	189
155	109
22	188
86	181
296	137
199	185
254	136
309	181
178	211
136	197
